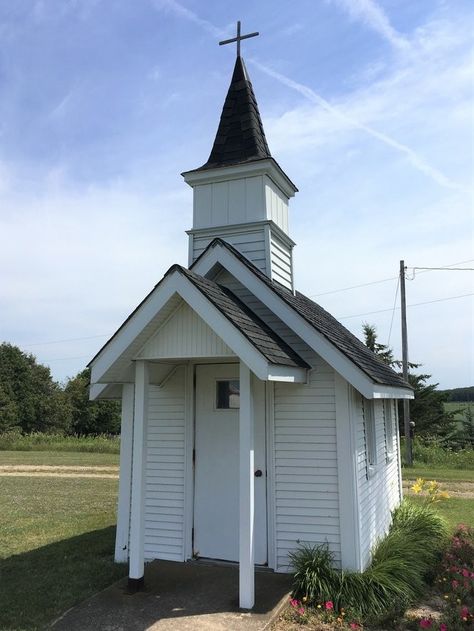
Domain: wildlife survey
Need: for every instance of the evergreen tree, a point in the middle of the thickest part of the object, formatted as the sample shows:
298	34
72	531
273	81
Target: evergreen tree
427	409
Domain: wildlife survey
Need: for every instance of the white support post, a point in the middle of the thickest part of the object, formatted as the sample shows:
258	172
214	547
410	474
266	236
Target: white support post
137	521
125	480
349	508
247	509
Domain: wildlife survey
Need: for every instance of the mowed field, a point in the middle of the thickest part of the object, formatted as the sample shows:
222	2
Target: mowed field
459	407
57	528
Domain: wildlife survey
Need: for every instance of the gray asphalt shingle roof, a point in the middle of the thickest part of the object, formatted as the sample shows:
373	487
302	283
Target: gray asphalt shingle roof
272	347
327	325
240	136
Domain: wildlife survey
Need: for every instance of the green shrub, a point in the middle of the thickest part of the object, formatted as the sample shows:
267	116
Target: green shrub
39	441
396	575
434	452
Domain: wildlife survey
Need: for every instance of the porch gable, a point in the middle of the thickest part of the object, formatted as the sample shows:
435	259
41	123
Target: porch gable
185	335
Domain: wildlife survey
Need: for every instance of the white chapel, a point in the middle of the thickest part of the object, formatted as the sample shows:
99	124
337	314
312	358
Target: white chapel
252	420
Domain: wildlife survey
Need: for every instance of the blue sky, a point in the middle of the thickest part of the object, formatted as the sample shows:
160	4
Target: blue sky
366	104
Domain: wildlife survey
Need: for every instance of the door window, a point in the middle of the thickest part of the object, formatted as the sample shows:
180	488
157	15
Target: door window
228	395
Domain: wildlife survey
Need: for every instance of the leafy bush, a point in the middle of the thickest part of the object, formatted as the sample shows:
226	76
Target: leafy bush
38	441
396	575
434	452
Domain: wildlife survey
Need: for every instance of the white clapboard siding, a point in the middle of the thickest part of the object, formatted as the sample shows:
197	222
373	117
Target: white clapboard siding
281	261
185	335
305	464
249	240
379	489
165	464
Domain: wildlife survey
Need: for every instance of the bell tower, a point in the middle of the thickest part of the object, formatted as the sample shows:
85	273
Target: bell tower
241	194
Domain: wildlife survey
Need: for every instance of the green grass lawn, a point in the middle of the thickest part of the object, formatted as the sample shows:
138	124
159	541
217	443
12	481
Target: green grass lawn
57	458
439	473
57	542
57	534
455	510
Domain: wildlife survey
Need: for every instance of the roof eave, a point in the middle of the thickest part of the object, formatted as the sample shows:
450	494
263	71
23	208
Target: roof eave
250	168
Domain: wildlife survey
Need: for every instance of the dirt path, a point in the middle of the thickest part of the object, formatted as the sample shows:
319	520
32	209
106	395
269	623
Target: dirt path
61	471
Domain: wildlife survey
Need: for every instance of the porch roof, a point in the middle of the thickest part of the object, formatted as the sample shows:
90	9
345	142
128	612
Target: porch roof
266	341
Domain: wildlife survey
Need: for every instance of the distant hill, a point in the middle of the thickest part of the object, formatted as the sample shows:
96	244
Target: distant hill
460	394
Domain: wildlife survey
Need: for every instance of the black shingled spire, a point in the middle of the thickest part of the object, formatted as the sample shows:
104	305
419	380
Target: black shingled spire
240	136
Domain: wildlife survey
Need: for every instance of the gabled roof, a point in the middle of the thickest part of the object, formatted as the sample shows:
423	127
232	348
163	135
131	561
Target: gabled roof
273	348
240	136
264	352
325	324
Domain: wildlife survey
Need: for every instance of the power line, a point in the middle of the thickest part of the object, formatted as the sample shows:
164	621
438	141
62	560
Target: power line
335	291
61	359
447	269
71	339
393	310
385	280
416	304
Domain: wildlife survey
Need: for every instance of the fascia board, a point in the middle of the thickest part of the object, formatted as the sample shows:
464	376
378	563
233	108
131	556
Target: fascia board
287	374
105	391
122	340
388	392
287	314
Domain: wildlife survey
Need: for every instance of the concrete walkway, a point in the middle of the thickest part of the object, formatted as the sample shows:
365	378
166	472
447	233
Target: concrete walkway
180	596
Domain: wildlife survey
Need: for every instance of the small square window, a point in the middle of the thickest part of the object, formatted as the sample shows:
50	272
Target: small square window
228	395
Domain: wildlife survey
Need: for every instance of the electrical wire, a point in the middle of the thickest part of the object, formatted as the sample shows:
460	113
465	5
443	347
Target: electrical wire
335	291
71	339
385	280
393	310
416	304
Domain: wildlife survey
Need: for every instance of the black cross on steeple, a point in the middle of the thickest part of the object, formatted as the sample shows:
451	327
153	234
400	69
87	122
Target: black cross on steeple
238	39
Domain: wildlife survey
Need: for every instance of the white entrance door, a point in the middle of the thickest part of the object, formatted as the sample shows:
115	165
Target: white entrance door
216	471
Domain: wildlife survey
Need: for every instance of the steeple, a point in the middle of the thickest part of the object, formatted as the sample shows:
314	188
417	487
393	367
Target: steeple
241	194
240	137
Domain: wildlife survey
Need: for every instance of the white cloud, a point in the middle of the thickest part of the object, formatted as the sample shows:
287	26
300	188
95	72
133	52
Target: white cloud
371	13
182	12
348	120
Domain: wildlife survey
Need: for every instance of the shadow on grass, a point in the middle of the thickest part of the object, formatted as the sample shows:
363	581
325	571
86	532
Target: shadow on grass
37	586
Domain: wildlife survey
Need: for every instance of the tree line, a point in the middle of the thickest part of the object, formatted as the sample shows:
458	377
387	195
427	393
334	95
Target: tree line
32	401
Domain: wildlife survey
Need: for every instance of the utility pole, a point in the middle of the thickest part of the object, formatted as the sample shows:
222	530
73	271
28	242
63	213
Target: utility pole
406	402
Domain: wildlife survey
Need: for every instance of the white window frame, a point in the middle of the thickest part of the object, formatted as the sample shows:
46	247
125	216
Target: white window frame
370	436
389	432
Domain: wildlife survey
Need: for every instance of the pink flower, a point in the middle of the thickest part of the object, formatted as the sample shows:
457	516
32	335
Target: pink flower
329	604
294	603
301	611
464	612
443	627
426	623
454	584
465	573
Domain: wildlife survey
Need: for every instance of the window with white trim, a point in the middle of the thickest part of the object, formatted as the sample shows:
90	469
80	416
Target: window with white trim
370	436
388	418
